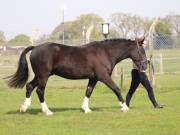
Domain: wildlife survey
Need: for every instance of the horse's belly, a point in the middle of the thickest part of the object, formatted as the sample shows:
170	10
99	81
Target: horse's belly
73	74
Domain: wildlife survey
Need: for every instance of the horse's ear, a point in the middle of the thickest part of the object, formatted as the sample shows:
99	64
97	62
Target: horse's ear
140	41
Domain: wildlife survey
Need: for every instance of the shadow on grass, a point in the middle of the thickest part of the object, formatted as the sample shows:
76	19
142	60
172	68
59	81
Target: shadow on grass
34	111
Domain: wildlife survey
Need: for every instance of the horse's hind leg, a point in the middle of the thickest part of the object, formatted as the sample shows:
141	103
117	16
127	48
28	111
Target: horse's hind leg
40	92
29	88
89	90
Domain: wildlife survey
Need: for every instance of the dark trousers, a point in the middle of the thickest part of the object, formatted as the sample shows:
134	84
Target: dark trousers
137	78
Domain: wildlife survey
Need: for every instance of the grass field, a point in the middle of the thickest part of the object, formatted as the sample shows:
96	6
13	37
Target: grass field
65	98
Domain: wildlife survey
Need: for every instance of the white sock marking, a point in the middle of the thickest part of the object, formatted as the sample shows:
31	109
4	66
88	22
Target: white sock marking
25	105
124	108
120	104
46	109
85	105
27	102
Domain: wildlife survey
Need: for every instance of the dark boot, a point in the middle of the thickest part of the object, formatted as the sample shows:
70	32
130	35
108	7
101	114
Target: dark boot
159	106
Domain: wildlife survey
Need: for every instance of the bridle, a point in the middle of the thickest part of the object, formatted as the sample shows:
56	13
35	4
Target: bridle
142	60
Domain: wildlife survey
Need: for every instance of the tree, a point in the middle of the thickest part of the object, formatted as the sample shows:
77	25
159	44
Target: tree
19	39
87	20
163	40
2	37
57	33
162	28
74	29
129	26
113	33
121	23
139	26
174	22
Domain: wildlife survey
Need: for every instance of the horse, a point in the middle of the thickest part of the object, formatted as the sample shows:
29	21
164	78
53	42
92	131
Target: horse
94	61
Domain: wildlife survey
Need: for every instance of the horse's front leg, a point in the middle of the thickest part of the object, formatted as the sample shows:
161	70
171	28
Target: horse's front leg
89	90
110	83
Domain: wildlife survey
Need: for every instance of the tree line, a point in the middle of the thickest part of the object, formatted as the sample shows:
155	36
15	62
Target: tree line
122	25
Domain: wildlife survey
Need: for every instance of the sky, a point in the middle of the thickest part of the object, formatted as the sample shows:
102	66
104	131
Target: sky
25	16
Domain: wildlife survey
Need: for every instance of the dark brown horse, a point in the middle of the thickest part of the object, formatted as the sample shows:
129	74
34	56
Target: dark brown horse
94	61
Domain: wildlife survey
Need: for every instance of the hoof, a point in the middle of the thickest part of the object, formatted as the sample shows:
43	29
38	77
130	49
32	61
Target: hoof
125	110
22	108
49	113
86	110
159	106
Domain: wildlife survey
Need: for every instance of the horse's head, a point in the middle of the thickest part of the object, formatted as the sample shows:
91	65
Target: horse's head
138	54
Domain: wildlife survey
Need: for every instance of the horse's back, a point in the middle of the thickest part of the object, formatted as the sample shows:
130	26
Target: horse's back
66	61
73	63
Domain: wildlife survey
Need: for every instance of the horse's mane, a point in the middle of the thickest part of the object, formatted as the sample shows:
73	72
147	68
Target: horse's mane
110	41
98	43
117	40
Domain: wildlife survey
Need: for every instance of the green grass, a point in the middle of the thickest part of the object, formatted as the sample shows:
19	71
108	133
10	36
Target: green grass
65	97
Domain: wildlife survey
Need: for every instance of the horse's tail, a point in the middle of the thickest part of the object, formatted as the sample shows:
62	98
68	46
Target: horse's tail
20	77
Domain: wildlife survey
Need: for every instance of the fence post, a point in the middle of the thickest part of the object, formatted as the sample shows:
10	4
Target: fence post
151	73
161	63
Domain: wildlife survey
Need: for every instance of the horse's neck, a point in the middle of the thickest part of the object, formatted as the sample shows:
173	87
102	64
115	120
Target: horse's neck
118	52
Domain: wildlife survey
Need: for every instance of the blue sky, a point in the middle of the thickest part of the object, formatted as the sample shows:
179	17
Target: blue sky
22	16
